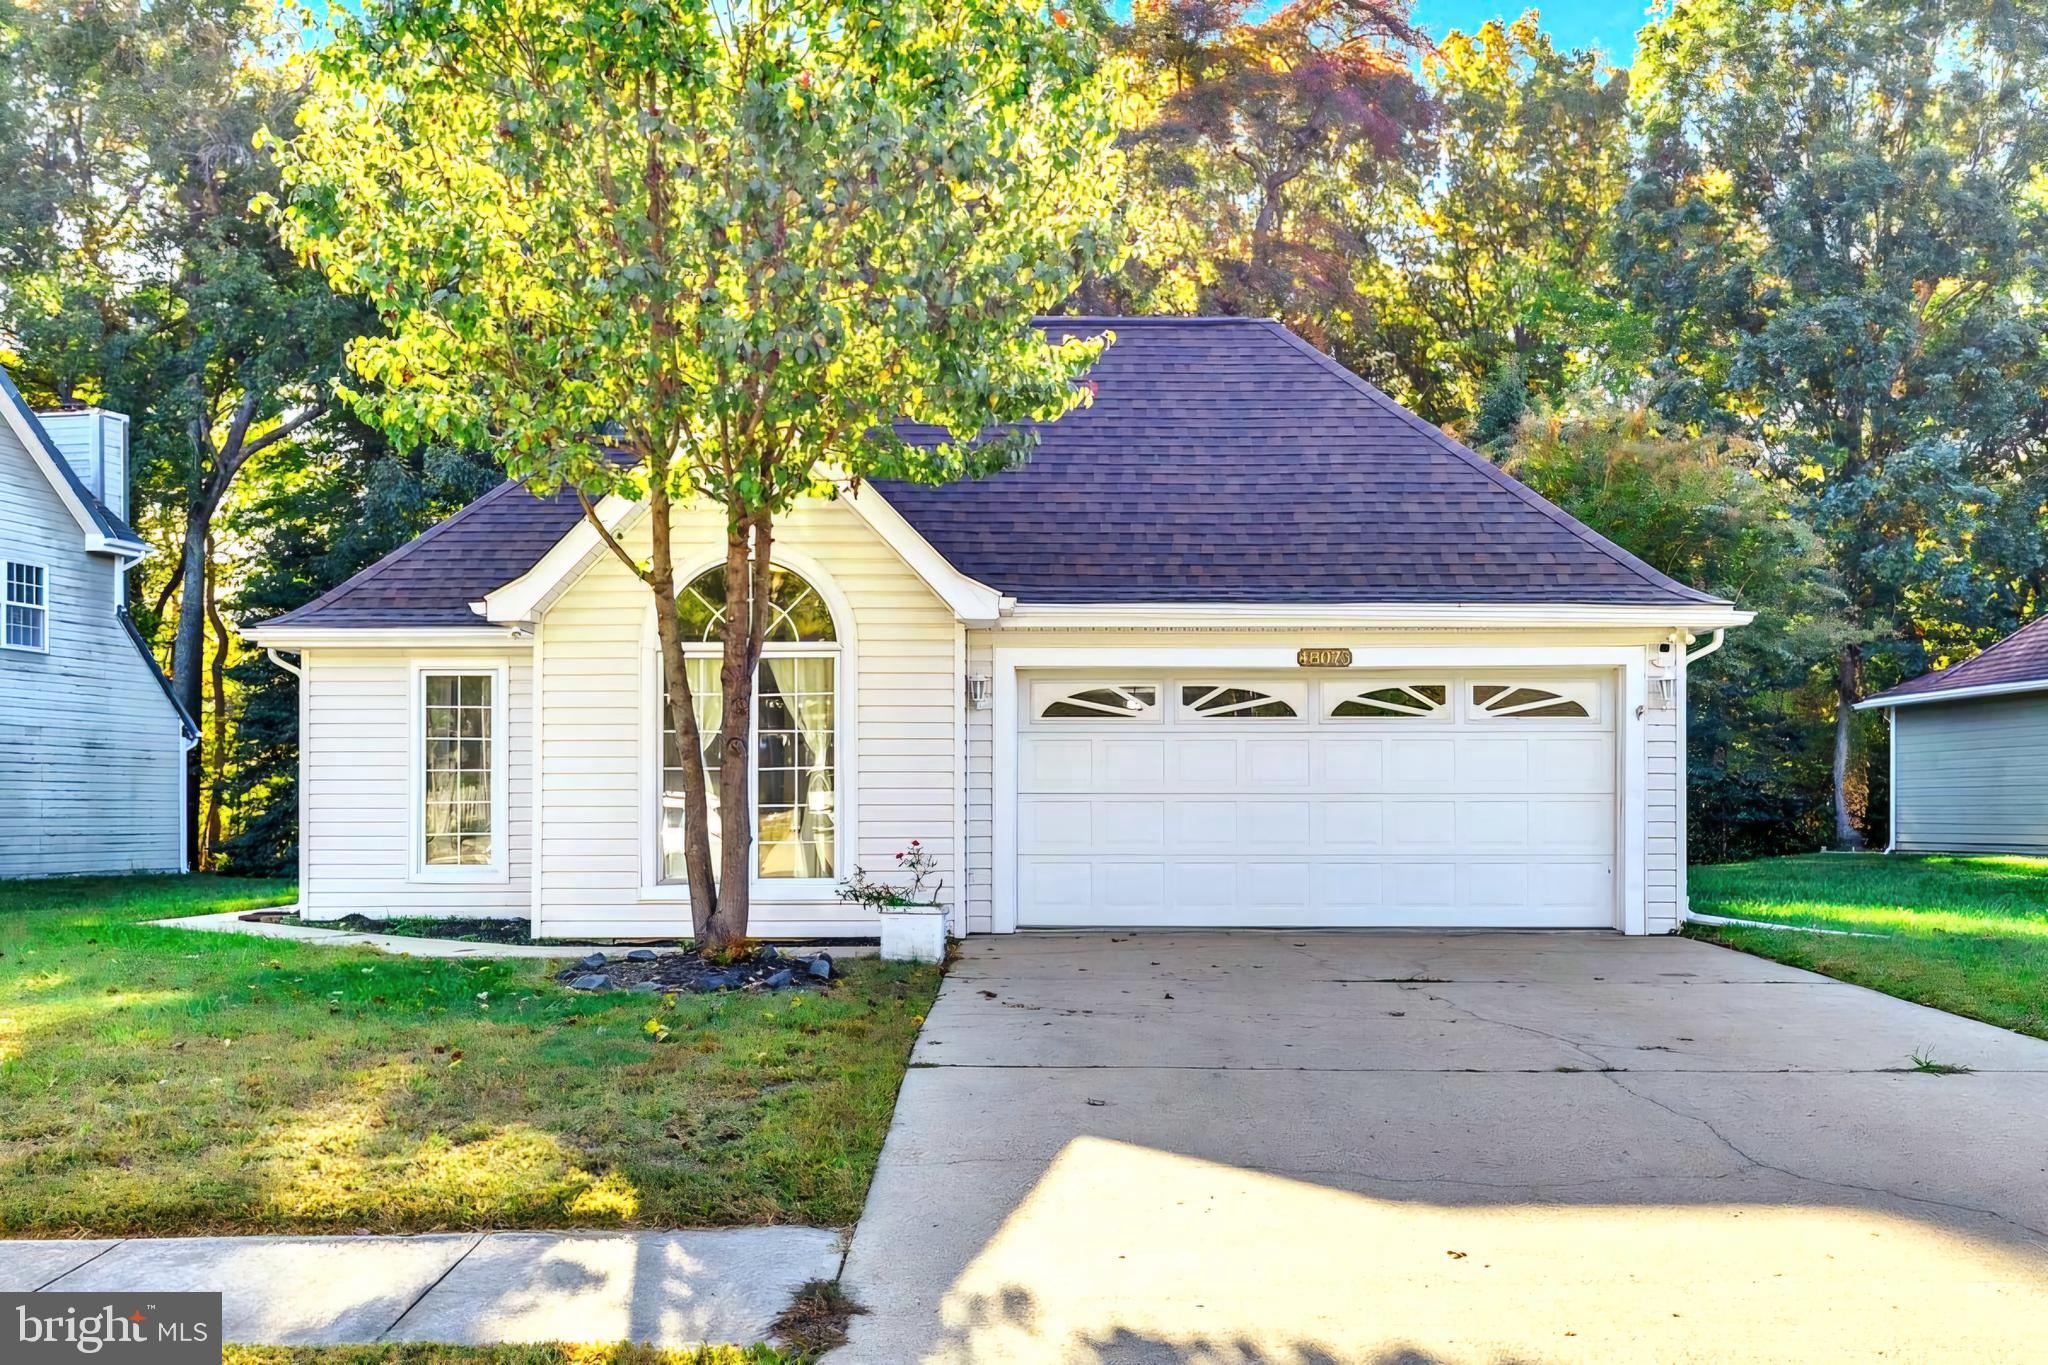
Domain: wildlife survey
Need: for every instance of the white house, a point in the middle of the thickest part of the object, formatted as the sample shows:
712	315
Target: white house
92	778
1244	643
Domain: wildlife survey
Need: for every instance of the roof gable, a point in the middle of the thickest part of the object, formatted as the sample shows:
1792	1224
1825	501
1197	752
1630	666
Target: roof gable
1223	460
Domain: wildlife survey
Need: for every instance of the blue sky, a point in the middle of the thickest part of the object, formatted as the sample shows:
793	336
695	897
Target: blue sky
1611	26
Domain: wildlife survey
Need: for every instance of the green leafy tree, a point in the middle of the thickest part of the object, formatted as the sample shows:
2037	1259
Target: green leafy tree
1838	226
132	272
1492	256
1693	505
732	241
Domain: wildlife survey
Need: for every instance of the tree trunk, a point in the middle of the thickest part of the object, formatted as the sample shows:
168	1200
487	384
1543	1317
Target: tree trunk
1848	691
747	548
188	648
217	677
697	868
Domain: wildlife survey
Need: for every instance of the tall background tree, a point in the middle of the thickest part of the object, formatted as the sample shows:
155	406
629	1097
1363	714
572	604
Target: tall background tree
1838	225
730	243
133	274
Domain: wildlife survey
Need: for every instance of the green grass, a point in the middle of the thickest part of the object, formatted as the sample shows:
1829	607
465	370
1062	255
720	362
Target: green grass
1964	934
160	1081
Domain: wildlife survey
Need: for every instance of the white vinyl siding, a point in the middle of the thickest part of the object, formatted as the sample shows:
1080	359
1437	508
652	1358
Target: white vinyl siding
92	774
359	797
1972	776
597	684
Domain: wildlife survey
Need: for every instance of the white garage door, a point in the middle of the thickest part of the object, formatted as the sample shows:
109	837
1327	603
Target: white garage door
1454	798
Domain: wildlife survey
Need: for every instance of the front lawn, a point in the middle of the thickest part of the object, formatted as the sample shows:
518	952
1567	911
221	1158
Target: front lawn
161	1081
1964	934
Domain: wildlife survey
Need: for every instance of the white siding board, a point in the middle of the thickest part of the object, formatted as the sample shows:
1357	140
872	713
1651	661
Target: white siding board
91	776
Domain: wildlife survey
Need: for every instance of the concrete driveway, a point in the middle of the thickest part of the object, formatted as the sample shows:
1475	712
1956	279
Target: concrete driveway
1295	1148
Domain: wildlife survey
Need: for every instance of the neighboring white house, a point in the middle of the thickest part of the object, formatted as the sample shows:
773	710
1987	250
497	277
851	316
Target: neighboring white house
92	777
1244	643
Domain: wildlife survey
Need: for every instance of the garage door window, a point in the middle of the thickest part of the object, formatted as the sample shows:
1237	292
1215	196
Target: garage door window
1393	702
1219	701
1521	701
1096	701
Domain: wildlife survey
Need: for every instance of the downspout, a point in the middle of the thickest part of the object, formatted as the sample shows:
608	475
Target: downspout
1891	716
298	671
1720	638
1685	835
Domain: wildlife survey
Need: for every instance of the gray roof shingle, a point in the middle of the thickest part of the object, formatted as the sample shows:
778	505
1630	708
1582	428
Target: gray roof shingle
2018	660
1222	460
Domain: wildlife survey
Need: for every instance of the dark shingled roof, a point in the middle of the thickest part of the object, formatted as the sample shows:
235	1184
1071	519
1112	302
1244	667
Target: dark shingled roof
2018	660
1223	460
1227	460
432	580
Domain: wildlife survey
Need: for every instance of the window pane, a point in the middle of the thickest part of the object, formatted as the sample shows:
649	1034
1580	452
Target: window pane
794	766
457	778
797	613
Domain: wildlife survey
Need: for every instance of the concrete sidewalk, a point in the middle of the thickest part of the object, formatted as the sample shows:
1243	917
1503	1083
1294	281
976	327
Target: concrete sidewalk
671	1289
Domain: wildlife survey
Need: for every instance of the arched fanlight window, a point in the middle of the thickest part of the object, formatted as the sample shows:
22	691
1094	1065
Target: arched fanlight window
797	613
795	742
1526	701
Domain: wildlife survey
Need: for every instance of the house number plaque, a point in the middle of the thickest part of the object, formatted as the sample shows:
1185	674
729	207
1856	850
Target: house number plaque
1323	658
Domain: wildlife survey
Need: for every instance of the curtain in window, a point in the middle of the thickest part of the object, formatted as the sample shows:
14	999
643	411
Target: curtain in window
794	767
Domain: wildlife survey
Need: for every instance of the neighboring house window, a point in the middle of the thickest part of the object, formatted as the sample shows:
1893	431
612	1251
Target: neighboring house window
795	748
28	606
459	770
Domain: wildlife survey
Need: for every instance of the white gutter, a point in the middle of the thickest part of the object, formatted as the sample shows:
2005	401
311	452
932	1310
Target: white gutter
292	669
1892	779
1460	615
1956	694
1720	638
297	638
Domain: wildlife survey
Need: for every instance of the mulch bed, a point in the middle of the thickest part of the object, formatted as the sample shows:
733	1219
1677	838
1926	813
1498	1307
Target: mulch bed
652	973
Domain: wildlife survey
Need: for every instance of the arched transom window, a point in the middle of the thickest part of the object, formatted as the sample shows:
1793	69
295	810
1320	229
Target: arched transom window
795	741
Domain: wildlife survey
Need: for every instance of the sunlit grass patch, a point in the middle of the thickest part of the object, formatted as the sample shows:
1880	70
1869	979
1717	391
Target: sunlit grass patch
163	1081
1965	934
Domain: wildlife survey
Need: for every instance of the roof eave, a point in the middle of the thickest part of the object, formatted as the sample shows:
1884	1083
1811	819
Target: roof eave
1885	700
285	635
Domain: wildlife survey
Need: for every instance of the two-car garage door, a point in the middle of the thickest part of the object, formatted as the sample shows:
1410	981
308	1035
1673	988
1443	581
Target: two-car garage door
1305	799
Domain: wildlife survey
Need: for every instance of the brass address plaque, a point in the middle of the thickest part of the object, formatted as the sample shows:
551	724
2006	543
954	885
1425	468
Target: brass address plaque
1323	658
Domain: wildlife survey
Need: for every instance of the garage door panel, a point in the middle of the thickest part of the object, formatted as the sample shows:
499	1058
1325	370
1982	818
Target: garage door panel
1348	826
1493	764
1469	814
1271	826
1205	763
1494	825
1572	824
1134	889
1276	763
1578	763
1422	764
1348	765
1344	889
1415	825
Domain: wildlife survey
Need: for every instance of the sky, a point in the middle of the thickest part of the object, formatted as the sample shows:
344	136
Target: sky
1609	26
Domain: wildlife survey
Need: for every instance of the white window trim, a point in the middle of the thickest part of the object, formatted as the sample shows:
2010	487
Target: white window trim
1628	665
845	784
498	868
44	570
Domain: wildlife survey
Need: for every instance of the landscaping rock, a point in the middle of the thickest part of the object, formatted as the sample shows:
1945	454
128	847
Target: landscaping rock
768	953
646	972
593	962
